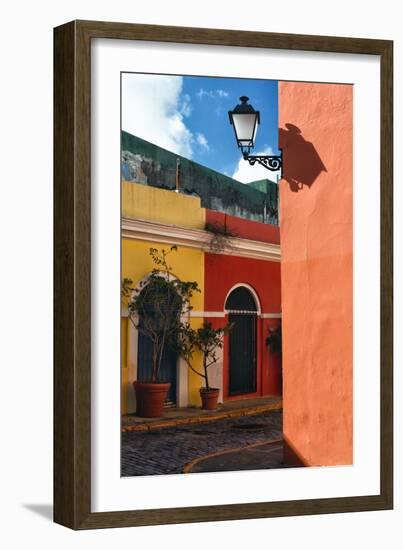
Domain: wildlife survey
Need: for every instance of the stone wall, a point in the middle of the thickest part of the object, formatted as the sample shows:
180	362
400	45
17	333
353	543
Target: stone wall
144	162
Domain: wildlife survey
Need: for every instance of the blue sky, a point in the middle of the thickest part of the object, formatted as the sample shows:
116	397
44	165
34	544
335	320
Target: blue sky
189	115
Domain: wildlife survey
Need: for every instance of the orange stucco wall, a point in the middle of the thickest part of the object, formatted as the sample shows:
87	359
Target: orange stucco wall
315	134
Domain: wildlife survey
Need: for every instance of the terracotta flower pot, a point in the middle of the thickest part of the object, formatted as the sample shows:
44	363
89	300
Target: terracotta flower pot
150	398
209	398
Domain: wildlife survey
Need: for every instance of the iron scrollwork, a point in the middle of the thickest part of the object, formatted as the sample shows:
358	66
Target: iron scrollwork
272	163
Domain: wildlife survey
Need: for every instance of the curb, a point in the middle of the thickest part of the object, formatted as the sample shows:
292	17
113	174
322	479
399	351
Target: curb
158	425
187	469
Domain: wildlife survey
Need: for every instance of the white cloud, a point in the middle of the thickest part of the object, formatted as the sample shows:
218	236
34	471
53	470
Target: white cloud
186	108
153	109
201	93
202	141
212	94
246	173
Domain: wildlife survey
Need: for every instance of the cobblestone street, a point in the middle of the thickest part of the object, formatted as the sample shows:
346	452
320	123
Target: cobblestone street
172	450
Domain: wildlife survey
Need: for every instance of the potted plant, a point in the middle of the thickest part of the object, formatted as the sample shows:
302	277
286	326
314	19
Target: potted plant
155	308
274	343
207	340
274	340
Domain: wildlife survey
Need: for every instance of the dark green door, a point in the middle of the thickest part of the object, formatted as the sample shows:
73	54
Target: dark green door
168	367
167	371
242	313
242	354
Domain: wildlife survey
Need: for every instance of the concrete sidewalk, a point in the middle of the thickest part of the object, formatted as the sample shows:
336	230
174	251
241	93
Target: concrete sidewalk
192	415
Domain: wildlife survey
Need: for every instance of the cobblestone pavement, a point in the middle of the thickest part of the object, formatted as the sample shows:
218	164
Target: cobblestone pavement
260	457
169	450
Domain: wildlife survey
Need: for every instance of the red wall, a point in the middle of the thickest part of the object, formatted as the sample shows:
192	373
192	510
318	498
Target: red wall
244	228
316	270
222	273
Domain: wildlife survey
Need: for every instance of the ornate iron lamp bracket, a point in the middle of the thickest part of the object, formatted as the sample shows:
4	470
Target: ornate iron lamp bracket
271	162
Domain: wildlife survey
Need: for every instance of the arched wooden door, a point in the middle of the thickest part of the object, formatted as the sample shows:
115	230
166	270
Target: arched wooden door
242	354
168	368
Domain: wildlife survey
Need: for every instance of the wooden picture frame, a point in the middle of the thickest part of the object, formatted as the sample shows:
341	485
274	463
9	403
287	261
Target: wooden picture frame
72	273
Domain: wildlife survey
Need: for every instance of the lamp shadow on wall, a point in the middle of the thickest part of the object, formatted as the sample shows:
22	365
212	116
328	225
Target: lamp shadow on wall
301	162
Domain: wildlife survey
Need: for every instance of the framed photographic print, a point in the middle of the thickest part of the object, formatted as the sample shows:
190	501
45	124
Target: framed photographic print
223	275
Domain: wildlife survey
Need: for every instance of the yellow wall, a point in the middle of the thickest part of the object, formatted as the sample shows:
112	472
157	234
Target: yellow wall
141	201
150	203
124	380
187	264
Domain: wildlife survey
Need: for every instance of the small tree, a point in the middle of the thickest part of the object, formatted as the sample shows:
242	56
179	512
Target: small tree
156	306
206	339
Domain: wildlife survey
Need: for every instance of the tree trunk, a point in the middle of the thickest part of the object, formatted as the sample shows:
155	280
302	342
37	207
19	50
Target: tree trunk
205	372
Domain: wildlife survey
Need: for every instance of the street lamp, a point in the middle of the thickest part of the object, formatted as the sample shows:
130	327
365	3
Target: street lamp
245	121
